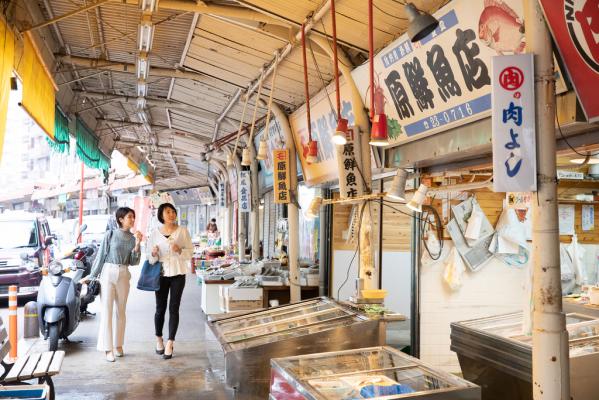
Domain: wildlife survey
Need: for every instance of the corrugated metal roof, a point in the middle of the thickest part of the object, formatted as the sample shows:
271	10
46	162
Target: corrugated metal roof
226	53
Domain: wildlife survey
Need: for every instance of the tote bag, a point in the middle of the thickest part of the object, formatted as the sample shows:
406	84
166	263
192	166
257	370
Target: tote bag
149	279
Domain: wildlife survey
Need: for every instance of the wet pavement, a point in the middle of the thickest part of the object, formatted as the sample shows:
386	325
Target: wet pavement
196	370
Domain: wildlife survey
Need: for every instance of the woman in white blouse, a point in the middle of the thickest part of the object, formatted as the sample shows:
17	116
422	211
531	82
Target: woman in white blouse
171	245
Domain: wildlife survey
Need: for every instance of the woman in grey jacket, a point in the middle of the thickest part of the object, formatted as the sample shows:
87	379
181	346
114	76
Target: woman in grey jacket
119	250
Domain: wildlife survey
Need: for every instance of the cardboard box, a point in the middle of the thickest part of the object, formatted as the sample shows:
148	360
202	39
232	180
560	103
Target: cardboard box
242	293
242	305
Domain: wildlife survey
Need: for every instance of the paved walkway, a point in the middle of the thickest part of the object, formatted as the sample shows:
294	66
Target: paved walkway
196	370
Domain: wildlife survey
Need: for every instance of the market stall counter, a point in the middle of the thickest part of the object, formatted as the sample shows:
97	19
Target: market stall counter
495	354
251	340
366	373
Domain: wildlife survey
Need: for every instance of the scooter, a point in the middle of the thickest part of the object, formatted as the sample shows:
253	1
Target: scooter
59	300
86	253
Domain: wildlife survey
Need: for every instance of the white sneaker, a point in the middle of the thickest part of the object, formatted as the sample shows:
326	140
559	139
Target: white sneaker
109	356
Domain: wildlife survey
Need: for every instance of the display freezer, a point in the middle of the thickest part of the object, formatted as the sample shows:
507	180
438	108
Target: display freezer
250	340
366	373
495	354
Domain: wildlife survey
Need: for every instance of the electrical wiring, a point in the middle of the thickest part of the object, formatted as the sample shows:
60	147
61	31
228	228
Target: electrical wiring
559	127
324	84
388	14
439	226
363	206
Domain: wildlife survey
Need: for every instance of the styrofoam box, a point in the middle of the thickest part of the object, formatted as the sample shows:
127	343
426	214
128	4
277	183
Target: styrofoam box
243	293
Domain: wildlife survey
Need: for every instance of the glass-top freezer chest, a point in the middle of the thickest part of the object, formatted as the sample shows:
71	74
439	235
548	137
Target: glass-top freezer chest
367	373
312	326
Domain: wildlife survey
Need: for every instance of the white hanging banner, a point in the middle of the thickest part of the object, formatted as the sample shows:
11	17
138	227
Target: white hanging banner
513	116
245	194
349	162
222	195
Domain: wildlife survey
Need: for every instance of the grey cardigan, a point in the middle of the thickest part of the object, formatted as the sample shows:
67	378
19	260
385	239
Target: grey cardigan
118	247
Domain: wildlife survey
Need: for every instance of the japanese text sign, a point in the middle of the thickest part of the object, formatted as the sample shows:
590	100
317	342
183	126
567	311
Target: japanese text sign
323	126
245	194
222	195
513	118
281	176
349	165
443	80
575	28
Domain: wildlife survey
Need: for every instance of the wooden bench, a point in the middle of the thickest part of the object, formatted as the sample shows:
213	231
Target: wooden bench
40	366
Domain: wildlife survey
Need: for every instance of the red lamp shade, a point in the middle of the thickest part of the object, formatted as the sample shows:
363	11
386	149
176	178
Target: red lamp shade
340	135
312	152
379	135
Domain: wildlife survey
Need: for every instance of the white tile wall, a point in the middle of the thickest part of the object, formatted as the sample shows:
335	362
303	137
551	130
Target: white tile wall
495	289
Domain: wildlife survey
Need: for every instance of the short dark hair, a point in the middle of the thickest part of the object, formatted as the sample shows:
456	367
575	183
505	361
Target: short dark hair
122	213
161	211
213	220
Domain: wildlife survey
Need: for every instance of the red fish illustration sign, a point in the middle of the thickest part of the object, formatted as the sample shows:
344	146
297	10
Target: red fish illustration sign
443	80
575	28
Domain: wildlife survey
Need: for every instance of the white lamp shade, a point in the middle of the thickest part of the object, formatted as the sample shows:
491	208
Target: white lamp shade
262	150
339	138
246	160
416	203
311	159
314	207
398	186
230	160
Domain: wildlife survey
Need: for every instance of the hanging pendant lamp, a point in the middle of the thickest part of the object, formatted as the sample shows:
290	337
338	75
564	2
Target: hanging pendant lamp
263	147
379	135
262	150
340	135
230	162
398	186
312	156
416	203
421	24
246	159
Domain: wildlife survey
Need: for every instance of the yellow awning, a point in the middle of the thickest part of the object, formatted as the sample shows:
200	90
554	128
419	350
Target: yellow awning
38	87
7	51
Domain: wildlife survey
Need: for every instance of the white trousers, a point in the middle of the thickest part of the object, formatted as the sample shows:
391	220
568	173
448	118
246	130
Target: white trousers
114	290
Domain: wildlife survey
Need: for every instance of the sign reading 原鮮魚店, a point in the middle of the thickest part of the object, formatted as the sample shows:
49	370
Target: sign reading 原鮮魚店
281	175
513	118
444	80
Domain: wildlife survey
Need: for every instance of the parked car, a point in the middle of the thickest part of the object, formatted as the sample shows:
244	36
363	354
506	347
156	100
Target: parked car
25	247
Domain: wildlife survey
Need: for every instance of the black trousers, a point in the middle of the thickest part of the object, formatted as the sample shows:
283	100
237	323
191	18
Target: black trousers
174	285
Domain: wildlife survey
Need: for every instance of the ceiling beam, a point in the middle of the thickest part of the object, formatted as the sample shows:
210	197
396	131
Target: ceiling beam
67	15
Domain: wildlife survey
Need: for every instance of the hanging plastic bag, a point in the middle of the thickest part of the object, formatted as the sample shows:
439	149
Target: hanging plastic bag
576	253
509	243
567	271
454	270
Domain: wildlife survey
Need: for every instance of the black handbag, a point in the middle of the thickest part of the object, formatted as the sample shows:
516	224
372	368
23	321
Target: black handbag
93	287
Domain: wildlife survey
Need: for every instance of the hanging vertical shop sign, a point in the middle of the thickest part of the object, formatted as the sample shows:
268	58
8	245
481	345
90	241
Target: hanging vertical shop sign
443	81
323	126
575	28
245	194
349	163
281	176
222	195
514	144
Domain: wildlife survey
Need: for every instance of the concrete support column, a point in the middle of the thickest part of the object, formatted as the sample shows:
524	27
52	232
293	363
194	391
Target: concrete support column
241	216
367	269
550	352
292	209
255	214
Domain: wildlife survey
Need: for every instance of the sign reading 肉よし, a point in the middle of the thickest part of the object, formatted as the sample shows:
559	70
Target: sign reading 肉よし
443	80
349	162
514	144
323	126
281	175
575	28
245	196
